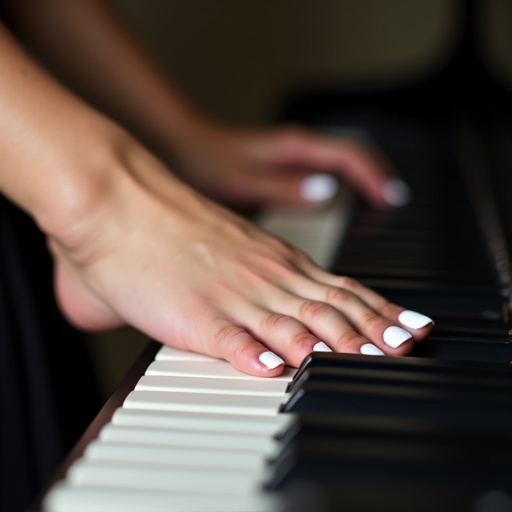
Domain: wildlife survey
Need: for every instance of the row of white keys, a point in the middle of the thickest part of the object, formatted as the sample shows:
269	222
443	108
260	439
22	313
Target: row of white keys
185	439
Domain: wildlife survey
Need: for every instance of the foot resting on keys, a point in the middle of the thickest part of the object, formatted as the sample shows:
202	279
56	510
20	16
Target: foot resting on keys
146	250
135	245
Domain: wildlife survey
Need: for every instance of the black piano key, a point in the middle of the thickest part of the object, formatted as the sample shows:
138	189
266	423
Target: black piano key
410	364
463	349
391	257
350	495
450	406
467	337
432	219
485	294
457	326
444	300
462	239
423	245
470	384
368	425
407	461
447	277
500	316
471	329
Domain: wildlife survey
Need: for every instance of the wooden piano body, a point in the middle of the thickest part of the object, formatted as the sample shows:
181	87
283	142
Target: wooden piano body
352	433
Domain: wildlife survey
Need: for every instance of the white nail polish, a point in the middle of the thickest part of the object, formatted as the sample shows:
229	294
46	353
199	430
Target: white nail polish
371	350
396	192
319	187
394	336
414	320
270	360
321	347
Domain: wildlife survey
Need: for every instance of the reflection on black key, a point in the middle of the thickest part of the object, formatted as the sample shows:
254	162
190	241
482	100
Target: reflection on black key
410	364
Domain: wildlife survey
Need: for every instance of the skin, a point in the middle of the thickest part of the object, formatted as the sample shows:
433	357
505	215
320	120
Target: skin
133	242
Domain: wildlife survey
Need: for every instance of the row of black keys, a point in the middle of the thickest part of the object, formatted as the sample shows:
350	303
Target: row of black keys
422	433
433	256
396	434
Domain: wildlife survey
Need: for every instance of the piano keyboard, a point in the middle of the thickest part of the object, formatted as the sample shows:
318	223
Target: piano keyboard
343	432
193	435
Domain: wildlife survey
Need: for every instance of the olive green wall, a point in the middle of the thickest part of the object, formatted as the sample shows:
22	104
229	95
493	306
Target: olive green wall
238	58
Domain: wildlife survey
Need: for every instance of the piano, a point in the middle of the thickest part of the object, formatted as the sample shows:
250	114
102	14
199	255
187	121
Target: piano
353	433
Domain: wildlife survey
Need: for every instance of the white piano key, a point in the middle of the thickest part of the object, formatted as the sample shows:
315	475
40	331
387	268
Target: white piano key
211	386
165	478
175	456
316	233
197	402
268	425
232	441
70	498
213	369
173	354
